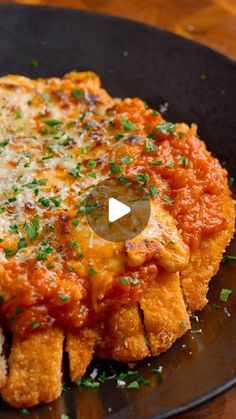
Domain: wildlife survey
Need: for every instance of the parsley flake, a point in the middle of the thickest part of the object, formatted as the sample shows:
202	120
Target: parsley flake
142	178
52	122
166	128
35	324
229	259
225	294
78	94
156	163
92	271
63	298
149	147
153	190
127	125
125	159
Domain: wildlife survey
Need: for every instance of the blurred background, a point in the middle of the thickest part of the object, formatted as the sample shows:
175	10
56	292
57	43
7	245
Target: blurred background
211	22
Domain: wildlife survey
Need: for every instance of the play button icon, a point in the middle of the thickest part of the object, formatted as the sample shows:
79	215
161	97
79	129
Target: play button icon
117	211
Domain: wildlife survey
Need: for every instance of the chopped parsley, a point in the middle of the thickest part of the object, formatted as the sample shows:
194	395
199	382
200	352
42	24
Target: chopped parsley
142	178
75	171
151	135
34	63
127	125
134	385
183	325
24	412
18	114
149	147
184	160
114	168
35	183
78	94
157	371
91	164
153	190
170	164
49	156
129	281
229	259
10	200
119	136
63	298
45	250
168	200
92	271
73	244
156	163
88	383
32	229
225	294
4	143
21	244
52	122
181	135
231	181
49	228
34	324
166	128
75	222
46	96
84	150
44	201
124	180
56	201
9	252
79	255
124	281
125	160
93	174
13	228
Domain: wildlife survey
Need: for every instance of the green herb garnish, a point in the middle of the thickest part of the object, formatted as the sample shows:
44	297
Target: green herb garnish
225	294
166	128
92	271
52	122
78	94
142	178
127	125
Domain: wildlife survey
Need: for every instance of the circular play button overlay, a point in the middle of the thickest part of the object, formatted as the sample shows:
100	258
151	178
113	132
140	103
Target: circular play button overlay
116	211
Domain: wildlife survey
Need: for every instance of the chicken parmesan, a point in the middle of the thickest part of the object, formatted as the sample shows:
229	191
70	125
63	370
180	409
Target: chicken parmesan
62	285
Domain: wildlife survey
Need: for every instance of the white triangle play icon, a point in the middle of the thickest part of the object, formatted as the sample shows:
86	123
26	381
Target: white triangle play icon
117	210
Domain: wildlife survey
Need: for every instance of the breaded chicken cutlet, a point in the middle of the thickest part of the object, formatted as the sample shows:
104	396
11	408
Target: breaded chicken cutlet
61	282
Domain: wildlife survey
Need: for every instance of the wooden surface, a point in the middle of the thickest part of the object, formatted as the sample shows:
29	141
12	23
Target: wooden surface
211	22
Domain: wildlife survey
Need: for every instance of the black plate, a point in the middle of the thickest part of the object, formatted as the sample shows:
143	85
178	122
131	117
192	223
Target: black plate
199	86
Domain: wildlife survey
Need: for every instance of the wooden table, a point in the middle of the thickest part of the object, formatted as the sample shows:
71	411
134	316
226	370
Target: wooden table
211	22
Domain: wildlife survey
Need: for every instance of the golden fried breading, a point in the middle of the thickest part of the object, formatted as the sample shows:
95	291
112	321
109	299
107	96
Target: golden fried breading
34	369
123	336
3	367
165	315
80	347
205	261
